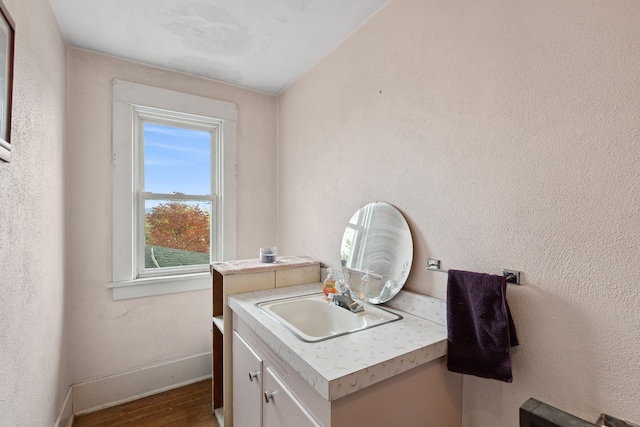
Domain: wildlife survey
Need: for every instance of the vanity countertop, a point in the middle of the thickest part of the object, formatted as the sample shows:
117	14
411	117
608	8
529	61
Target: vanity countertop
339	366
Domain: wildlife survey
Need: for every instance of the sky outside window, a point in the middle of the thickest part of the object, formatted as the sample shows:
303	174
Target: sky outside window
176	160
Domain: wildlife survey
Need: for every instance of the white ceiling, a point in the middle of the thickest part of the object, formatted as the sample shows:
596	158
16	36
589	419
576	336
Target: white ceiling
259	44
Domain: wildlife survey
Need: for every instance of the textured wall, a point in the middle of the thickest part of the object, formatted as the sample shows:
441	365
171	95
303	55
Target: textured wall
107	336
508	133
33	339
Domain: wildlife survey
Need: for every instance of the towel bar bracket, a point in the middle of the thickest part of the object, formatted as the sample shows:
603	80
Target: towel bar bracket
513	276
433	264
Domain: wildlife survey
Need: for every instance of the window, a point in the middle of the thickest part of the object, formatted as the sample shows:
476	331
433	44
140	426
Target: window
177	228
174	204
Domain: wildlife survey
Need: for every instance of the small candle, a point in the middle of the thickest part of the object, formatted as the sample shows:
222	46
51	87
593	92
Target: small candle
268	255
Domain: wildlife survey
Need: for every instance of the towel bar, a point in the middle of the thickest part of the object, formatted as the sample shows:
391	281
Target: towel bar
513	276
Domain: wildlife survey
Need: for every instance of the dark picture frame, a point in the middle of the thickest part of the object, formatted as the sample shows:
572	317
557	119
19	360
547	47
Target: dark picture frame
7	45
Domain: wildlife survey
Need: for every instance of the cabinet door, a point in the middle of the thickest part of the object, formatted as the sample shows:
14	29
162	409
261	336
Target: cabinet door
247	384
281	408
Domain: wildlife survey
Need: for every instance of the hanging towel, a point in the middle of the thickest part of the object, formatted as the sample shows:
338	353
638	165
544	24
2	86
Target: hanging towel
479	325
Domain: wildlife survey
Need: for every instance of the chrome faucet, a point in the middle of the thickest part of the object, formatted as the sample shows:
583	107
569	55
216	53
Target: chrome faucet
344	300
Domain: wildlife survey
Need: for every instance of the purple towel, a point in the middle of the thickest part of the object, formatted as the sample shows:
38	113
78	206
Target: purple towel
479	325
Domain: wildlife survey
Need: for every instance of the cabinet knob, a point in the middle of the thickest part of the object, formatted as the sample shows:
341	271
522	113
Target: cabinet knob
253	375
268	395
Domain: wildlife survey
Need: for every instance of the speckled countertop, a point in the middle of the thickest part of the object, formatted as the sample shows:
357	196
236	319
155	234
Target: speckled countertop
343	365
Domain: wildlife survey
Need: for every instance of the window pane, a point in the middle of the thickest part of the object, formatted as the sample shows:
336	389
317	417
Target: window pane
176	160
176	233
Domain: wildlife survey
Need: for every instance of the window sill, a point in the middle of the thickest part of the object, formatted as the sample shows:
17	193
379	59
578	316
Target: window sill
151	286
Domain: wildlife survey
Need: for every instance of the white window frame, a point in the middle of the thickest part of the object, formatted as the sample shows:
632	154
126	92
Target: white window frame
133	102
206	124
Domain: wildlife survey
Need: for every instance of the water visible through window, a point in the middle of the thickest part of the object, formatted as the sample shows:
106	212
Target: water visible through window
177	169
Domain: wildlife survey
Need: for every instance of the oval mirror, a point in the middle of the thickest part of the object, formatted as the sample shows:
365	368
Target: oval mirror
377	247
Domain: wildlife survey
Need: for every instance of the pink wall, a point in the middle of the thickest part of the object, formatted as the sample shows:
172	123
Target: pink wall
508	133
109	337
33	323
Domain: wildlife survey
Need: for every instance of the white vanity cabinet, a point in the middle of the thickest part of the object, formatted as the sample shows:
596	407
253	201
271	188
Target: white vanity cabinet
247	384
260	397
282	408
404	383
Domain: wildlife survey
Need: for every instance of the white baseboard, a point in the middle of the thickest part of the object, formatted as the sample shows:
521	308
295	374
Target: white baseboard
109	391
65	416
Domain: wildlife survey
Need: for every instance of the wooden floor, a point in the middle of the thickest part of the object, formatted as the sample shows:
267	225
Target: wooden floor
188	406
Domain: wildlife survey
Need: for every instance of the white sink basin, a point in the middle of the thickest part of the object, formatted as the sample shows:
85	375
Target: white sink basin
312	318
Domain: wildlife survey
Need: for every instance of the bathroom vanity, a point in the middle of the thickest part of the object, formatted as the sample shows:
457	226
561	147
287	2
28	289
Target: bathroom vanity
392	374
370	355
